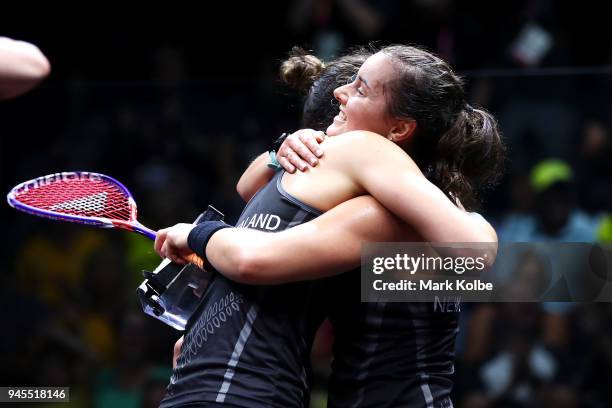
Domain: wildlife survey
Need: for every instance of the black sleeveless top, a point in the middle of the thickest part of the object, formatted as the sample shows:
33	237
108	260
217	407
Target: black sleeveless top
249	346
389	354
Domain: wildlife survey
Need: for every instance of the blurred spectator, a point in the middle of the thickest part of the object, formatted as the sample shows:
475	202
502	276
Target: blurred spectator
595	324
604	230
555	215
51	262
126	103
330	22
155	387
554	218
122	384
594	168
514	366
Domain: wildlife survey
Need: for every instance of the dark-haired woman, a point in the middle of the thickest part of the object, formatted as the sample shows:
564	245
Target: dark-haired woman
385	354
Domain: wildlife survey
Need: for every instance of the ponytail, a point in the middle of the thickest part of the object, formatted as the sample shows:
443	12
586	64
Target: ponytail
469	156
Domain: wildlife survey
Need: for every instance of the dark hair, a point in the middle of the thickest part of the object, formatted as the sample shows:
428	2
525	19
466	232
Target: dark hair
317	81
458	147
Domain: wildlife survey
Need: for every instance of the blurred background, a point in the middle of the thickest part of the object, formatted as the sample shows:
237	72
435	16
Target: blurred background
176	105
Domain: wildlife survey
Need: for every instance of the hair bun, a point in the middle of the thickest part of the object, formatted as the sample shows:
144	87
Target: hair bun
301	69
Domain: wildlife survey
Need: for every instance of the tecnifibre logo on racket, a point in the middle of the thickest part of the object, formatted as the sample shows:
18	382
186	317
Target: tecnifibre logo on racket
79	196
52	178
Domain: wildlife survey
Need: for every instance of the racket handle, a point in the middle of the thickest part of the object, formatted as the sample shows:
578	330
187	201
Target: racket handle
210	214
142	230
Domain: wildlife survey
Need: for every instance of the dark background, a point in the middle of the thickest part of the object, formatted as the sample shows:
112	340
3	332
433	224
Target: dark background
176	101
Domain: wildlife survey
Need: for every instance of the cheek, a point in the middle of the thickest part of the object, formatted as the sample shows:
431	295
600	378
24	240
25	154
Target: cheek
365	118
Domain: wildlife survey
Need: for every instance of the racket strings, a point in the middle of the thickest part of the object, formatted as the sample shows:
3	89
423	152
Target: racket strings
87	198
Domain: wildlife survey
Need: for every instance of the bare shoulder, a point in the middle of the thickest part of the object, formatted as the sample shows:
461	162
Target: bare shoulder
365	147
359	137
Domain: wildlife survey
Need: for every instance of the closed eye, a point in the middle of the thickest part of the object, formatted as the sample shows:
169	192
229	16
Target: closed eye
356	81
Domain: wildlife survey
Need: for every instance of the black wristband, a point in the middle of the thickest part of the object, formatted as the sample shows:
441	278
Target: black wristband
200	235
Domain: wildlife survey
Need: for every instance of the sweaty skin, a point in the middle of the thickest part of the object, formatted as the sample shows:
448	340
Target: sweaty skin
331	243
357	163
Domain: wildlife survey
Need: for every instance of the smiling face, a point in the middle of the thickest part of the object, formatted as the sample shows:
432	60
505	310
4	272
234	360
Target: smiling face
363	104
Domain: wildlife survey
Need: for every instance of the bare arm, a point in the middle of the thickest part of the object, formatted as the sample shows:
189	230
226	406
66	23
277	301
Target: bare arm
423	205
307	251
22	67
254	177
176	352
301	148
387	173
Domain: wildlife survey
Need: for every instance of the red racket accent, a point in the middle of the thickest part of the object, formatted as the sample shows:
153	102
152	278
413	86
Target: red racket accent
80	197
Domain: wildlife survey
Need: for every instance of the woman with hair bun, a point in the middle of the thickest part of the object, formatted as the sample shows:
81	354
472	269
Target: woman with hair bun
402	100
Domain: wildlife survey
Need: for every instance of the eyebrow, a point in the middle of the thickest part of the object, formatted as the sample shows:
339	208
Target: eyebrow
363	80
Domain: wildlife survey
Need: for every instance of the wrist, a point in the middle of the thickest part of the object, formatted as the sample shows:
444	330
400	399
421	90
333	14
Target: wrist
200	235
273	163
278	142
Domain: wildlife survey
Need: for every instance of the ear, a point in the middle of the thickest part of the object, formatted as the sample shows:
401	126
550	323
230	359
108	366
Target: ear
402	130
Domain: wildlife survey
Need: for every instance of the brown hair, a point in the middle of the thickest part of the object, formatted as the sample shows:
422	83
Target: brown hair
458	147
301	69
317	80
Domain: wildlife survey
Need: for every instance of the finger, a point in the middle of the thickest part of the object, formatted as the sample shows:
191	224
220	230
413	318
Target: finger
179	260
159	241
292	157
168	251
320	136
172	255
295	159
163	251
306	148
311	142
286	165
305	154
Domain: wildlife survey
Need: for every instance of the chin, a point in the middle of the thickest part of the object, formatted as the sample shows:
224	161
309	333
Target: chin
333	130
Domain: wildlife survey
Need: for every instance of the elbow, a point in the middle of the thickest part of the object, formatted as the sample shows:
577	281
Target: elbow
248	267
489	253
489	257
491	249
31	75
243	190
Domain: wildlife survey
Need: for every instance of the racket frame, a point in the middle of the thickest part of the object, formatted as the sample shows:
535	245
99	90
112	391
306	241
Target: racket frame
131	225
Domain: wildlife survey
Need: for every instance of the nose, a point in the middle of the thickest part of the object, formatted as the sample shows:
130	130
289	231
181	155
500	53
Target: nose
341	94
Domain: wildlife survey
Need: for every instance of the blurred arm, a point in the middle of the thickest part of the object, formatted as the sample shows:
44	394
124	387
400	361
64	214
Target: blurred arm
254	177
22	67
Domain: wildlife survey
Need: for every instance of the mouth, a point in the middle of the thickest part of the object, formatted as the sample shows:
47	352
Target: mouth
341	117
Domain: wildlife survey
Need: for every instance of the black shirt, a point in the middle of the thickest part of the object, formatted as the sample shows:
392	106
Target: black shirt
250	345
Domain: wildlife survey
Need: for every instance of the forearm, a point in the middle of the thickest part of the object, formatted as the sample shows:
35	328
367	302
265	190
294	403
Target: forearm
326	246
436	218
256	257
254	177
398	184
